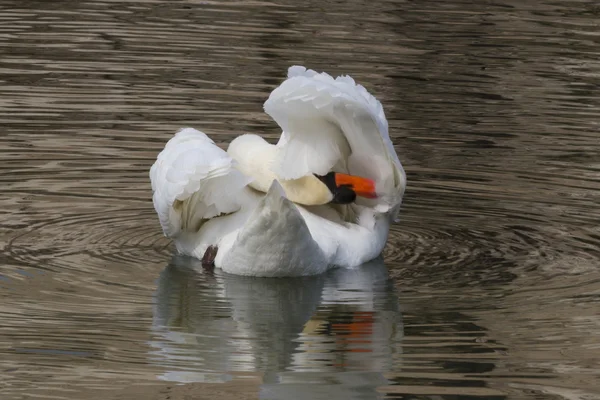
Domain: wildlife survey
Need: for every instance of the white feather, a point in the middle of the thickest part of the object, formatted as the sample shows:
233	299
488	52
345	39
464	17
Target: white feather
275	241
194	180
335	124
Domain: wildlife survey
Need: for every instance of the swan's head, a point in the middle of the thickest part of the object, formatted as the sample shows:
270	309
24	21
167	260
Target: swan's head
345	188
255	157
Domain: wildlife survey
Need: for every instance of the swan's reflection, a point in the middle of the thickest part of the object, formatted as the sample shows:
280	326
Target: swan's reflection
341	328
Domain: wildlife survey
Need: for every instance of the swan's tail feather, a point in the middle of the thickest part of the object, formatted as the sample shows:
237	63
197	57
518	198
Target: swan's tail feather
194	180
275	233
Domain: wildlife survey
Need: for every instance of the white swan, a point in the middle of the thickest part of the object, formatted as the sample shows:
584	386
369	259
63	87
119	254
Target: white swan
333	184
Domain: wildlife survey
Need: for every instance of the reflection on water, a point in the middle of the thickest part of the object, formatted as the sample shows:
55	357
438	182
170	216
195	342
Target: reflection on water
493	108
334	334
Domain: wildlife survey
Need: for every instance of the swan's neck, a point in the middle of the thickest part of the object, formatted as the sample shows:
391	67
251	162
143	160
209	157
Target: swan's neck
255	157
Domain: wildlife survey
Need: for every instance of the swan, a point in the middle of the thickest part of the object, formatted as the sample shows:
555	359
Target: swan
323	196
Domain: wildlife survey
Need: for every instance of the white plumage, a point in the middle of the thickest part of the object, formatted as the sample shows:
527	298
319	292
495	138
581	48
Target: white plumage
205	196
194	180
334	124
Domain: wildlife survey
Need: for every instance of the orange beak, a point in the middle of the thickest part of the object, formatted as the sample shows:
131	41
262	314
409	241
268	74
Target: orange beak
361	186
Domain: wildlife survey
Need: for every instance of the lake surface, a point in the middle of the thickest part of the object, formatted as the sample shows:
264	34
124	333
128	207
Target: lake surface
489	287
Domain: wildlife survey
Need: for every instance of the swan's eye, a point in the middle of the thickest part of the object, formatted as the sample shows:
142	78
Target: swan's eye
343	195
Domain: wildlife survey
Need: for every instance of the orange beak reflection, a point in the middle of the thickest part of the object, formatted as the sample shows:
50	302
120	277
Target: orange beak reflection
363	187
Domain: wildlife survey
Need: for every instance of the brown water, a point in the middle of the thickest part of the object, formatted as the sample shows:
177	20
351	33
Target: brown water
490	284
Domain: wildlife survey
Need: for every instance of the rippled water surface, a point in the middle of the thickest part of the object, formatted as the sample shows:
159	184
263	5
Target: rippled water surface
489	287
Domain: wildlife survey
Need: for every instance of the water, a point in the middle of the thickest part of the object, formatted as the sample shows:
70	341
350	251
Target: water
489	287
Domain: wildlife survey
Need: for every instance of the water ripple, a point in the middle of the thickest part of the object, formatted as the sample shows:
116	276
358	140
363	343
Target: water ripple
493	281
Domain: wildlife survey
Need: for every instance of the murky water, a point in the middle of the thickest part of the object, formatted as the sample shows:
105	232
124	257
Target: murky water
489	287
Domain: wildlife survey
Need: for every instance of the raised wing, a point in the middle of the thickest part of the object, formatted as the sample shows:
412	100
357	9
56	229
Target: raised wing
334	124
193	180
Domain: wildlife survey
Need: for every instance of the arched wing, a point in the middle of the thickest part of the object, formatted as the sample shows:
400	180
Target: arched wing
334	124
193	180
